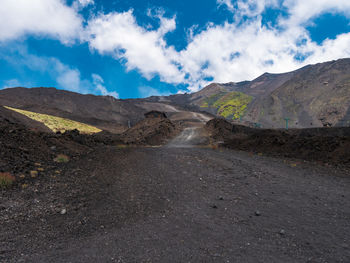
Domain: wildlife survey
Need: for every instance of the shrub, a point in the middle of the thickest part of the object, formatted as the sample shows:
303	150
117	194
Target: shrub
61	158
6	180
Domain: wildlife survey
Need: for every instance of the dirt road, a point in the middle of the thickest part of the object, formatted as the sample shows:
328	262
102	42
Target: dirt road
189	138
175	204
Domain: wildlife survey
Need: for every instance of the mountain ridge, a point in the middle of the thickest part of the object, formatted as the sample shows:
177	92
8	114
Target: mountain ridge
326	85
312	96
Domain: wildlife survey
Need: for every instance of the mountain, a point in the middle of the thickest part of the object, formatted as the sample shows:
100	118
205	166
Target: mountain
313	96
317	95
103	112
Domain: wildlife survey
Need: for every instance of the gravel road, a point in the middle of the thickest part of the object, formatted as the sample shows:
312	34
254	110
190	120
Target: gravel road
173	204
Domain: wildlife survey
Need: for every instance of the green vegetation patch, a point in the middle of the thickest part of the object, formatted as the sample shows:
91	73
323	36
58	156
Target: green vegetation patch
61	158
57	123
229	105
208	102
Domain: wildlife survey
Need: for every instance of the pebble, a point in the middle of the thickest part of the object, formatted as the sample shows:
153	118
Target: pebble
214	206
63	211
33	174
282	232
53	148
257	213
221	198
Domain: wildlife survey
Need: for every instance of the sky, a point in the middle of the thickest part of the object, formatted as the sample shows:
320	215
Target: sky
140	48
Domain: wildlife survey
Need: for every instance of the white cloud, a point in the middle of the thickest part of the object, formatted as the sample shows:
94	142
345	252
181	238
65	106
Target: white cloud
145	92
78	5
119	34
98	83
84	3
226	3
299	10
248	8
65	76
39	17
302	11
330	49
230	52
234	51
11	83
69	78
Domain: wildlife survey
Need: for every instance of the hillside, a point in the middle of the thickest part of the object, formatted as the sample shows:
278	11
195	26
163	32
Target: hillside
57	124
317	95
313	96
102	112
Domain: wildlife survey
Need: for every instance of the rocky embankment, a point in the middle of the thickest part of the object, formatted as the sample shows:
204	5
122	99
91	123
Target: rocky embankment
326	145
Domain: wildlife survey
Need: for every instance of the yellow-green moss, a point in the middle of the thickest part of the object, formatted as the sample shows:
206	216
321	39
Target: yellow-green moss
228	105
205	104
208	102
233	104
57	123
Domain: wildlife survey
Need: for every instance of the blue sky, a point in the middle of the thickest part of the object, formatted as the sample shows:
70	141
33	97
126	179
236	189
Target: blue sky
134	48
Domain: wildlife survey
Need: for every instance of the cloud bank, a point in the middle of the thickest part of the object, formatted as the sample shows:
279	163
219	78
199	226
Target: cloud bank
235	51
52	18
119	35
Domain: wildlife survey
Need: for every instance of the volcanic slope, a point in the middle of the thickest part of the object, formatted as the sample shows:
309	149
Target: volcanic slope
57	124
103	112
313	96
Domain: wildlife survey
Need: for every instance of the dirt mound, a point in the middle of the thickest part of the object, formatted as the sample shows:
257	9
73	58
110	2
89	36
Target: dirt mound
104	137
150	131
221	129
26	150
23	150
328	145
